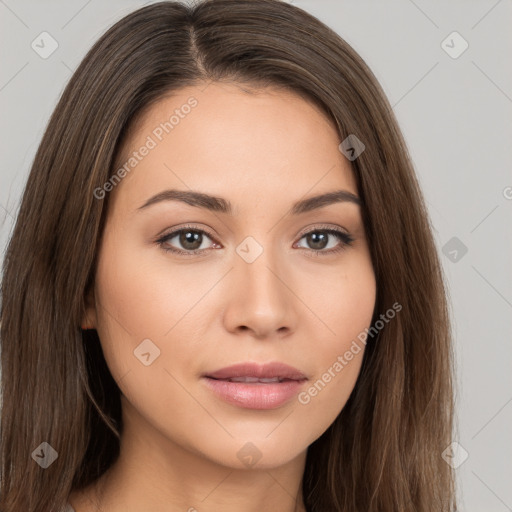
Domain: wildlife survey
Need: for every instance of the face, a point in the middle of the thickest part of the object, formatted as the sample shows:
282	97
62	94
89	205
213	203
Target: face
262	282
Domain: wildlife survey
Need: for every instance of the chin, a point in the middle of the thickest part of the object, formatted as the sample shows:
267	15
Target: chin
255	453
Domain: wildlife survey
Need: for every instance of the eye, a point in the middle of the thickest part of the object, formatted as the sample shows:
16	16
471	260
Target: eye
191	240
318	239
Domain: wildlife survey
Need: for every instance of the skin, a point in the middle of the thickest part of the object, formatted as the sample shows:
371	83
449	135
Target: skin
262	151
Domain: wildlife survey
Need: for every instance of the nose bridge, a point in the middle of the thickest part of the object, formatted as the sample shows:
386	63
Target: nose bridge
257	265
259	299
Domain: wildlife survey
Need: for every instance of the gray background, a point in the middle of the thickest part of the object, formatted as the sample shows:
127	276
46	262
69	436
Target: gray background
456	117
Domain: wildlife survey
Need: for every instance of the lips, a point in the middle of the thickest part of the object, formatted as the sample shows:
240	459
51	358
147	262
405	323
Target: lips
255	379
254	372
255	386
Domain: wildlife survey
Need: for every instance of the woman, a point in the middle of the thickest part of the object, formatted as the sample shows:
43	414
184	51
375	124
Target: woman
222	290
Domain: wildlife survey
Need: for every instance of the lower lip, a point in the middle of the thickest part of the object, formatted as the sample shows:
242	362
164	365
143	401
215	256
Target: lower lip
255	395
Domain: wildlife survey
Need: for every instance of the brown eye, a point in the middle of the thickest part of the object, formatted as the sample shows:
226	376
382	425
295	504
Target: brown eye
188	241
318	239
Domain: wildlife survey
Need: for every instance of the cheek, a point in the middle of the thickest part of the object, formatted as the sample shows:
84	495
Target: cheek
342	298
146	296
345	312
326	394
146	304
145	331
336	371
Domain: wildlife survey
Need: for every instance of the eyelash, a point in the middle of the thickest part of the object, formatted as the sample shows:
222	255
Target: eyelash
345	239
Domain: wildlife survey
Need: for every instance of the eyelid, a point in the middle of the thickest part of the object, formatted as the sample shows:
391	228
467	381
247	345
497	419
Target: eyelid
322	227
176	230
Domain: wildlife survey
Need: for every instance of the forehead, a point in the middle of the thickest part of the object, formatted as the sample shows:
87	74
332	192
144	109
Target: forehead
222	137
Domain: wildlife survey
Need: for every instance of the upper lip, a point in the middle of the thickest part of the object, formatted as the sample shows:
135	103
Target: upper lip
261	371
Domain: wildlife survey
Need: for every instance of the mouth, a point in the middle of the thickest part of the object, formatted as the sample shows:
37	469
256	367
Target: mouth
254	386
256	380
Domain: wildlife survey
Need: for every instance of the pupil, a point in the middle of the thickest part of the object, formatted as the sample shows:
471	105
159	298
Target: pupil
321	240
190	237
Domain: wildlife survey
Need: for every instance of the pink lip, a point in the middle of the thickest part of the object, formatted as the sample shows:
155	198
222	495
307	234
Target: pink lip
256	395
268	371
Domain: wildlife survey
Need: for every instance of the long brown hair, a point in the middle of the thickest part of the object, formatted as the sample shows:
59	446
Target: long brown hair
383	451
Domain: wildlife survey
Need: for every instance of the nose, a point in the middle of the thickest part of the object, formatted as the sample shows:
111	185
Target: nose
260	299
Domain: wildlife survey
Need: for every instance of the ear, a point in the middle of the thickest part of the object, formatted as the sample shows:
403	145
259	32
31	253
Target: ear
89	321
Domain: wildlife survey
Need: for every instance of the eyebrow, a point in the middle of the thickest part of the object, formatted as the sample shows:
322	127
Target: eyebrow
221	205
